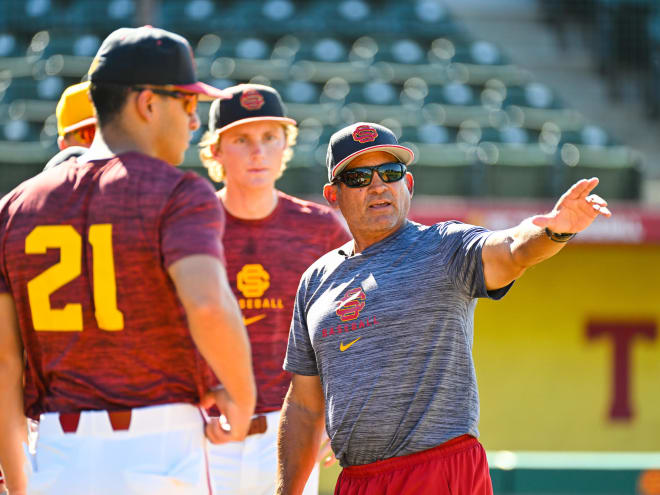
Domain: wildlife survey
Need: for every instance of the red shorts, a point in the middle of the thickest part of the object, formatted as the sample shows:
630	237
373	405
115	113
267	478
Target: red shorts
458	466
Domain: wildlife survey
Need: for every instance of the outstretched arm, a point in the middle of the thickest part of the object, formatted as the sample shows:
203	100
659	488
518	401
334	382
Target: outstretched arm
13	424
299	435
508	253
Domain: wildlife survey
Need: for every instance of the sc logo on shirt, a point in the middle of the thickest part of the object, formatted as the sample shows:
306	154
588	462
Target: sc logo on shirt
351	304
253	280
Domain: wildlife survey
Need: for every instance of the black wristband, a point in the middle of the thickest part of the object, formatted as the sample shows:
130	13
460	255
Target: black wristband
554	236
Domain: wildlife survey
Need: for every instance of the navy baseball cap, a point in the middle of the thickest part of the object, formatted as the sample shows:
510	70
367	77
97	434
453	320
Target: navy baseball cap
247	103
148	55
354	140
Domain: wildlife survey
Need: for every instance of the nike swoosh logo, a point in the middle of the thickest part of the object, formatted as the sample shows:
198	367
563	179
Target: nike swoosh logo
253	319
343	347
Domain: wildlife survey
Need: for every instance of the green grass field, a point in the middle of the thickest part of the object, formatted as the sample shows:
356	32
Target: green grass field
328	478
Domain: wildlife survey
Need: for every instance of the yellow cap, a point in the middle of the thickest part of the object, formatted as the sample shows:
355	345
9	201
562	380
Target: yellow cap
74	110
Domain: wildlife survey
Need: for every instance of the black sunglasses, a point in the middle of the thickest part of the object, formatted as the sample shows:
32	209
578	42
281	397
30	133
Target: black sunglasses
362	176
189	99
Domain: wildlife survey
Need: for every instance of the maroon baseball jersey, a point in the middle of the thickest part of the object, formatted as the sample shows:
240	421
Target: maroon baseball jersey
84	249
265	259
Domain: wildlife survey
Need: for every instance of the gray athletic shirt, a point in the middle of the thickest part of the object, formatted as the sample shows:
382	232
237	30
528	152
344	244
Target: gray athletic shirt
389	330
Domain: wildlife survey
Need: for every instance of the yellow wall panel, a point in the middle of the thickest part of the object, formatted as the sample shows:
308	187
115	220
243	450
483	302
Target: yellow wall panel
545	385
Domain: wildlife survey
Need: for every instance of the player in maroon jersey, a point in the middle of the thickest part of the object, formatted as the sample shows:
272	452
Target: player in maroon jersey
112	283
270	239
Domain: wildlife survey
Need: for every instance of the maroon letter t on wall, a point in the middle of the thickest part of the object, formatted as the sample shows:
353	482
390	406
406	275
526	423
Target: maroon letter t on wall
622	335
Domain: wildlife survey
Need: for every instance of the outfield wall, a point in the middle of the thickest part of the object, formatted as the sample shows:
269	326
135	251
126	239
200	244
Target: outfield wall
570	358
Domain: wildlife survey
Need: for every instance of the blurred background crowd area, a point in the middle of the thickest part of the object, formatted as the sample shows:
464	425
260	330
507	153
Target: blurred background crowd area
504	102
449	77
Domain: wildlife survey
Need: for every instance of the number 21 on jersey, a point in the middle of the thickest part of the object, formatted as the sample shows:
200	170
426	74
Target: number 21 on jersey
69	242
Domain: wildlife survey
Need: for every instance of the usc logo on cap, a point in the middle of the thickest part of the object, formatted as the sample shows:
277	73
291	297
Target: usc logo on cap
364	134
252	100
351	304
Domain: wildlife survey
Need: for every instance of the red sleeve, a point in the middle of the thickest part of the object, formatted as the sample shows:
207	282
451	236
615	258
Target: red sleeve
193	222
4	283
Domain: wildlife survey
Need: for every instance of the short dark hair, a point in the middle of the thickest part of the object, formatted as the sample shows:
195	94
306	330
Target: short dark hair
108	100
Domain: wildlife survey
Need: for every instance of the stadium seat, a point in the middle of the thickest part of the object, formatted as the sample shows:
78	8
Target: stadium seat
243	70
86	45
312	132
414	92
374	93
29	16
322	72
535	118
443	169
300	17
422	17
455	93
475	52
121	12
364	50
19	130
281	17
208	45
430	133
252	48
47	88
286	48
590	135
62	43
406	51
533	94
335	91
10	45
618	167
301	92
279	10
310	18
517	171
516	135
26	88
353	14
101	17
426	18
185	16
485	53
323	49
